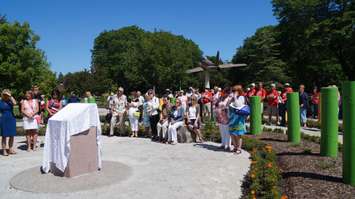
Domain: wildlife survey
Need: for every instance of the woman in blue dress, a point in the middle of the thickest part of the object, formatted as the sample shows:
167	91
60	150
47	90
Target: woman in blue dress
7	121
237	121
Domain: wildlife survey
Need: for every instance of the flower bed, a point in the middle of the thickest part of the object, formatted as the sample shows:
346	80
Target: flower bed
263	179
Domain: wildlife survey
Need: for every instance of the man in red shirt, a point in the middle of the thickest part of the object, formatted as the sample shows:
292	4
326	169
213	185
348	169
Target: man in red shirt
272	99
252	90
262	93
283	103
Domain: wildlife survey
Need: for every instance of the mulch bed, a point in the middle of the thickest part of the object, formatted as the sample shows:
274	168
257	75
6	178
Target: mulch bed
306	174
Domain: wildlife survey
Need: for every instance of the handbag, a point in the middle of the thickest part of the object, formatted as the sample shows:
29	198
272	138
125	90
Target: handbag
245	110
38	119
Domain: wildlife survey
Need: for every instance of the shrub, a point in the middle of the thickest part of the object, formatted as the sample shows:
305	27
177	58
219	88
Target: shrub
264	175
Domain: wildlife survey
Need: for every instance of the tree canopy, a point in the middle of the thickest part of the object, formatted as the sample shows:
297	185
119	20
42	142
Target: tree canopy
312	44
22	64
137	59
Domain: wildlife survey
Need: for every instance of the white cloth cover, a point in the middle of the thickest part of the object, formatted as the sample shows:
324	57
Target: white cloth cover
71	120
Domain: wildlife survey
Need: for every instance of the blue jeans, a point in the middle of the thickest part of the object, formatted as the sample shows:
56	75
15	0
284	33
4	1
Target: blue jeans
303	115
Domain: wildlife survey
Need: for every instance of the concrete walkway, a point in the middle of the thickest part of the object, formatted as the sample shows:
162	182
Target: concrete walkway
307	131
158	171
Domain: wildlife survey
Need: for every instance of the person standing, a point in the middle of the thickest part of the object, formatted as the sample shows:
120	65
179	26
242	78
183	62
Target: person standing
133	116
261	92
252	90
7	122
315	102
273	99
53	105
303	105
236	121
222	120
176	121
153	107
29	110
89	98
118	110
73	98
283	103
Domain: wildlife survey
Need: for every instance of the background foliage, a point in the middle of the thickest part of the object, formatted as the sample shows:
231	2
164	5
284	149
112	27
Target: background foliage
22	64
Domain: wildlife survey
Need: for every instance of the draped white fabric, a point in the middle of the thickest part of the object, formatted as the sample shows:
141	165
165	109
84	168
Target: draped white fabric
71	120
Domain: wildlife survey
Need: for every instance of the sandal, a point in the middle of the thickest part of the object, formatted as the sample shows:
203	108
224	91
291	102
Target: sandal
237	152
4	153
12	152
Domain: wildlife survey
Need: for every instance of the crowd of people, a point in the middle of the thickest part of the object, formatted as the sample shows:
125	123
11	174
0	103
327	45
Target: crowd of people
163	116
35	109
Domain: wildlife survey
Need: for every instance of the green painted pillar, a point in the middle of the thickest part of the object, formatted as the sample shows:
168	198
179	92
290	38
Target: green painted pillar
255	116
330	123
293	112
348	101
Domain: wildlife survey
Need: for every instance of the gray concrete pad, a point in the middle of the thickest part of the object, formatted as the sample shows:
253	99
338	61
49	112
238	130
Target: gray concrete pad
31	180
158	171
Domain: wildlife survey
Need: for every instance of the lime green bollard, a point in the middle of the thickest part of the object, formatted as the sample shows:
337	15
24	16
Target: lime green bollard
255	116
329	125
293	112
349	132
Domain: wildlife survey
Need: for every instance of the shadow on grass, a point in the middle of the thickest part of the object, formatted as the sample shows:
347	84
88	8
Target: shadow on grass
314	176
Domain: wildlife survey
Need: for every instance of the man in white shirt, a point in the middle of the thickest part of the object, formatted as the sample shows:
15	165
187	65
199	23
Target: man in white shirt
118	109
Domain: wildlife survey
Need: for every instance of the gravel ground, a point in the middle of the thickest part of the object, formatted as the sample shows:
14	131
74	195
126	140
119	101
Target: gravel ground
157	171
305	173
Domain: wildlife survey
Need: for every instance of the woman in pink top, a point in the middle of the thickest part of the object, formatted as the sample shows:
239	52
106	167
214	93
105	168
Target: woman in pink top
221	112
31	120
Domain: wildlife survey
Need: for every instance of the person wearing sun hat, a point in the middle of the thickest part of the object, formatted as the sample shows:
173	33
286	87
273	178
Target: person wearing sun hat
7	121
236	121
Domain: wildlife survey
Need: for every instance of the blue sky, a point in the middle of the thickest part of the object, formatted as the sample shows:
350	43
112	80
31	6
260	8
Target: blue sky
68	27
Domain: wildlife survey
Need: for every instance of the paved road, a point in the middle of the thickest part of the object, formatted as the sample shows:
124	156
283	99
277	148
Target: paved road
158	171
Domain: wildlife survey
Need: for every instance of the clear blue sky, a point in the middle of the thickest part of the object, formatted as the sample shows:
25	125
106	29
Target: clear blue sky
68	27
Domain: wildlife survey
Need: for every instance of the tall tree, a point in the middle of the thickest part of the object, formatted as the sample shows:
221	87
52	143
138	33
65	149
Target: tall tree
138	59
317	38
22	64
261	52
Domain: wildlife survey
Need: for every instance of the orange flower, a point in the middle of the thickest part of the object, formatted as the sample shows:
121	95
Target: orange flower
269	165
252	175
284	196
268	148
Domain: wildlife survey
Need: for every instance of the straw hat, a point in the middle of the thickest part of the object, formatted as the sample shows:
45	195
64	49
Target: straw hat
6	92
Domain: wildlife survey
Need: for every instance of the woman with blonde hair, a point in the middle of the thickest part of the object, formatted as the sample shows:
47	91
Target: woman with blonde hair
7	121
176	121
29	110
193	119
236	118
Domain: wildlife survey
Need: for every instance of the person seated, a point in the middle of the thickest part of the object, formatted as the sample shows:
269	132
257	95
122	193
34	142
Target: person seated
176	121
162	126
193	119
73	98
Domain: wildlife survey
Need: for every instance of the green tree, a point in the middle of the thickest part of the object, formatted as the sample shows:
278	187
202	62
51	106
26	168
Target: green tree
317	38
261	52
22	64
138	59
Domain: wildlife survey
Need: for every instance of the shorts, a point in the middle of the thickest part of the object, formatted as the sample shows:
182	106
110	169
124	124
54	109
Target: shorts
272	110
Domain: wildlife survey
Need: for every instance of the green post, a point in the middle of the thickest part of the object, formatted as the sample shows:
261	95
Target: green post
329	125
255	116
293	112
349	132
